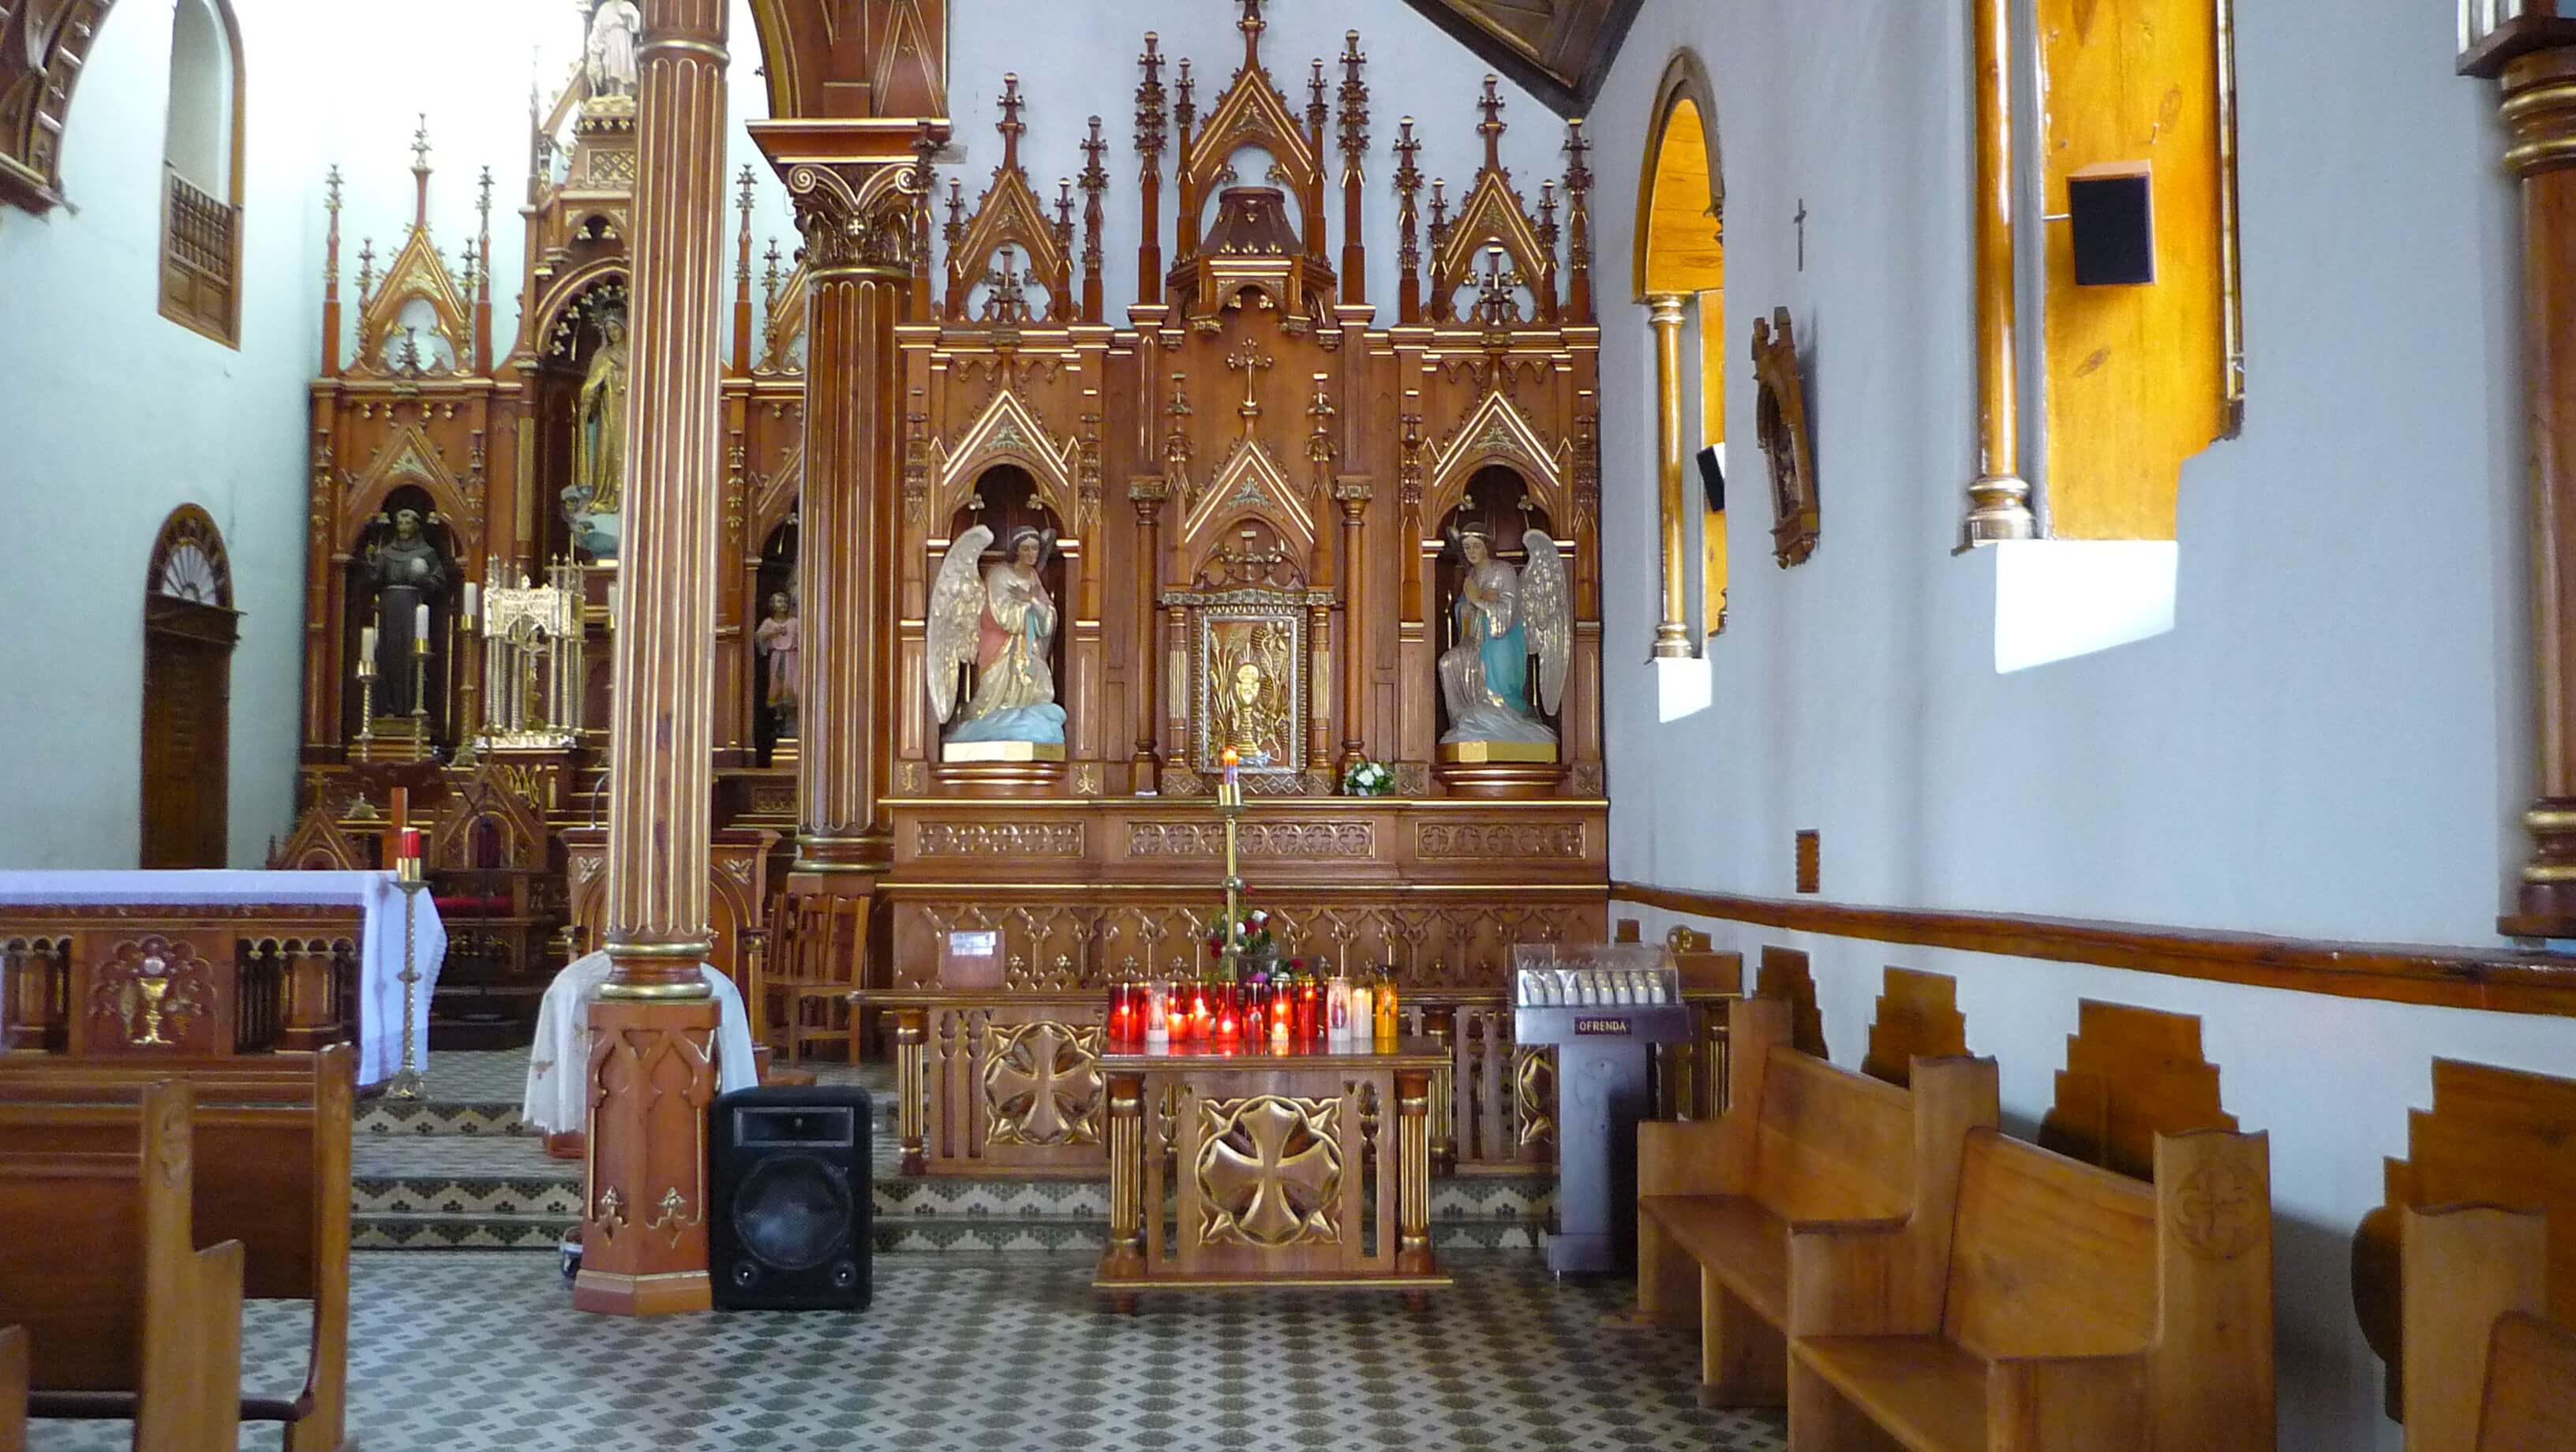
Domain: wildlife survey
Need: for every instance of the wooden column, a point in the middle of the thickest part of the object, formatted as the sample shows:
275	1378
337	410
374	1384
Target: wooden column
1999	499
2535	58
856	186
1353	495
644	1238
1147	766
1672	633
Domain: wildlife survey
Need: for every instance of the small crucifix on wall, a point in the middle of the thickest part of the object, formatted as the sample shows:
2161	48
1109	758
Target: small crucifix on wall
1801	220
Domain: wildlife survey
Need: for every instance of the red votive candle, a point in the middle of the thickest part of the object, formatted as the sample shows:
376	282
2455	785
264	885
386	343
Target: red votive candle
1306	1011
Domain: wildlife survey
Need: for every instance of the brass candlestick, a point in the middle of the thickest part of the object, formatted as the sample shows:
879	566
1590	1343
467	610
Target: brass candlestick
408	1082
419	697
366	698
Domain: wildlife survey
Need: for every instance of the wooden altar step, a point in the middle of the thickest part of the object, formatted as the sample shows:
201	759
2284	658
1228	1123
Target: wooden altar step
499	1191
458	1171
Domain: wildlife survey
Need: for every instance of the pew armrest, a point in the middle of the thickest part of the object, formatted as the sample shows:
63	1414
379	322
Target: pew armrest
1857	1278
1690	1157
2095	1402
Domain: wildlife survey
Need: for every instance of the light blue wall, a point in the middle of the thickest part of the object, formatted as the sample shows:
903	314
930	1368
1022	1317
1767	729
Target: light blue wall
2332	742
115	416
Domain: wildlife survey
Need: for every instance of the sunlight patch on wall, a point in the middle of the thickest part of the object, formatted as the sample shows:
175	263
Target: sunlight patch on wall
2056	599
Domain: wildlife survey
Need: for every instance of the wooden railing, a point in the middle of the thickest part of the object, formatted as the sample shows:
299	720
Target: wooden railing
200	260
178	982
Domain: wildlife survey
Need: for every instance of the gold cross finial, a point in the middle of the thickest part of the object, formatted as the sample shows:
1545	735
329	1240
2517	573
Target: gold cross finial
1492	125
420	145
1252	25
1248	360
1011	125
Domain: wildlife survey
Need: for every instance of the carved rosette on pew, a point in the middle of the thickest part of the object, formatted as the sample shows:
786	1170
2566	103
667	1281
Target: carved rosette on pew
651	1070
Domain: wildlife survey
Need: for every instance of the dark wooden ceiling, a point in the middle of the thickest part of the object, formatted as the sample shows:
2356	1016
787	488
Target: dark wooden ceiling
1557	50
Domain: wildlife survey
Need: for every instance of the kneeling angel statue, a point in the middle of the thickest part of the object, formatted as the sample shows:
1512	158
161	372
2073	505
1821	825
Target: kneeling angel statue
1003	625
1507	617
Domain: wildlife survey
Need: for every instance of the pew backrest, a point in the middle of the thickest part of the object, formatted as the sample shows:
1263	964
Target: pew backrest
1830	1144
2049	1257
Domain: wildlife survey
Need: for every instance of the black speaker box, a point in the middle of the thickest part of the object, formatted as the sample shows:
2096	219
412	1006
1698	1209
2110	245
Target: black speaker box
1712	479
791	1180
2112	211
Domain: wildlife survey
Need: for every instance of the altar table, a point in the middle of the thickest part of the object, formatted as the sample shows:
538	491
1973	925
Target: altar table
133	903
1305	1166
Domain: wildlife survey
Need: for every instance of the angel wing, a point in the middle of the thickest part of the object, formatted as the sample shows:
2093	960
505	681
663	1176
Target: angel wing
956	616
1547	615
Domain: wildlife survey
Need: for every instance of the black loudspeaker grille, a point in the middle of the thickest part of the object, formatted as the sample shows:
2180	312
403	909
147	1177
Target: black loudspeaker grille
790	1170
2113	216
793	1212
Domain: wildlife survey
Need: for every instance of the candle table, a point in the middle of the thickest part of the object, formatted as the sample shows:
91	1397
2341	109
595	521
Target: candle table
1303	1165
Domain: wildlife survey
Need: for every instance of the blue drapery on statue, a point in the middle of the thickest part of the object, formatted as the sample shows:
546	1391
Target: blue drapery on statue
1505	658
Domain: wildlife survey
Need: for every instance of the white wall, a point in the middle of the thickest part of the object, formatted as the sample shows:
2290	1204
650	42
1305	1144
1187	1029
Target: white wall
115	416
2332	742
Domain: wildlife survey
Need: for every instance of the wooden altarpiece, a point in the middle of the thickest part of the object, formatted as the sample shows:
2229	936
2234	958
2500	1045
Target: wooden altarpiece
1251	478
416	408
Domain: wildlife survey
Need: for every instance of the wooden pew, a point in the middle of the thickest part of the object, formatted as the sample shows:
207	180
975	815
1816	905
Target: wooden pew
2485	1370
1801	1140
99	1263
13	1389
2072	1310
273	1145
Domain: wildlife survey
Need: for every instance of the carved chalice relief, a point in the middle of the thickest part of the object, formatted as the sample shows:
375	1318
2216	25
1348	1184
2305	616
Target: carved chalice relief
152	990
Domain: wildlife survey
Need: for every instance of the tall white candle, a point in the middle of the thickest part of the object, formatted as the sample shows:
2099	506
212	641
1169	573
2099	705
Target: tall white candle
473	598
420	622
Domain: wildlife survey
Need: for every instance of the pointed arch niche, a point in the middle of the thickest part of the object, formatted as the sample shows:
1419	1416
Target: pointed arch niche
189	629
1680	278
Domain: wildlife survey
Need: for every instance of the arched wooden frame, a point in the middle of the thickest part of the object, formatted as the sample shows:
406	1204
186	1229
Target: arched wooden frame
566	295
1526	455
189	630
237	143
1685	79
190	525
40	71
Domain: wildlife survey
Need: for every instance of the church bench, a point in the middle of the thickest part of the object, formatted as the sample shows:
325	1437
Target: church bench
2485	1369
99	1264
1801	1141
272	1171
2072	1310
13	1389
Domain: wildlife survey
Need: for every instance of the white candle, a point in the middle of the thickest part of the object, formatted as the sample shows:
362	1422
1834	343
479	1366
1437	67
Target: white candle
367	641
420	622
473	598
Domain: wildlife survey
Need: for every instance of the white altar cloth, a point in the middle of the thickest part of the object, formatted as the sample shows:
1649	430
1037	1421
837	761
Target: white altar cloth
380	956
558	1062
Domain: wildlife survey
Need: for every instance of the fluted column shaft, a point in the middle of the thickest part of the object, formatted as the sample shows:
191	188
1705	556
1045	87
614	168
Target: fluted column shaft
651	1071
661	718
847	523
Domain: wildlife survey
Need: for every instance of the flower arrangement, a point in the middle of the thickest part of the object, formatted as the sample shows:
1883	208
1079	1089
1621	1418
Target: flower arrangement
1250	933
1368	779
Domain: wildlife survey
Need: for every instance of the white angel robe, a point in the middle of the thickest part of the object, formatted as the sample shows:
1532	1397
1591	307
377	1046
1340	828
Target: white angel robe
558	1062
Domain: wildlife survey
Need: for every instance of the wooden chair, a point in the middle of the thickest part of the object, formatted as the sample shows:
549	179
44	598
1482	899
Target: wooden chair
2485	1369
812	970
2071	1310
272	1171
99	1263
1801	1141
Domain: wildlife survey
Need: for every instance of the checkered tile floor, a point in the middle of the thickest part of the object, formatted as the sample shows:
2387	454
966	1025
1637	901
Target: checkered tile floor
470	1351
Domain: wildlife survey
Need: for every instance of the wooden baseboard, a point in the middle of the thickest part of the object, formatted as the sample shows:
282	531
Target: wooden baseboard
2449	977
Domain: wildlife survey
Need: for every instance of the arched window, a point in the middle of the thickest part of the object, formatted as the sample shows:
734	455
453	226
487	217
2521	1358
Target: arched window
189	627
201	157
1680	271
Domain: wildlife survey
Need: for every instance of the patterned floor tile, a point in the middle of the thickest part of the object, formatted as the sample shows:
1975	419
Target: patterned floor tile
468	1352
